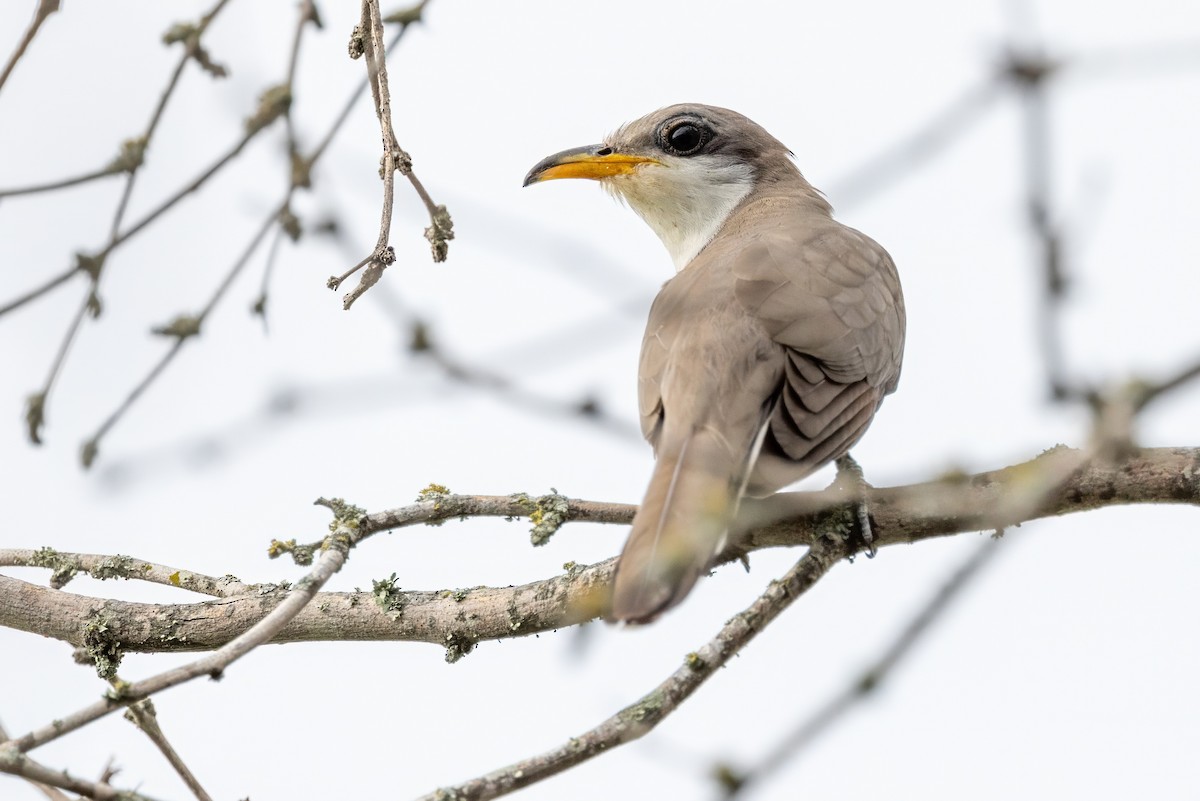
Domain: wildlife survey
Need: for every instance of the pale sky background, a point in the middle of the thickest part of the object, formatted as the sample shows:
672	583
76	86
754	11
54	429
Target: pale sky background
1067	672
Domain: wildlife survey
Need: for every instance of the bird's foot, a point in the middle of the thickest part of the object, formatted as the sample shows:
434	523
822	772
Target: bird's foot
850	478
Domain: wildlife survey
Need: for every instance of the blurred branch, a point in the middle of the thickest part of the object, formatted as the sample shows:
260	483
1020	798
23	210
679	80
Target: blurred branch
1151	392
143	715
367	40
43	11
134	151
184	327
862	687
932	136
1058	482
639	718
65	183
589	409
1030	72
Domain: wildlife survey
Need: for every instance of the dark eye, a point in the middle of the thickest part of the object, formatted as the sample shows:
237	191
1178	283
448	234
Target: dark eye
684	138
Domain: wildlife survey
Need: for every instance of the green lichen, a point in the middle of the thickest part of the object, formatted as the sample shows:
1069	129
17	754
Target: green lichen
695	662
64	567
647	709
118	566
388	596
547	513
301	554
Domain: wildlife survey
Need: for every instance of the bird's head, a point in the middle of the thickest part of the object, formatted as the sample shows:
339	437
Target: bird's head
683	169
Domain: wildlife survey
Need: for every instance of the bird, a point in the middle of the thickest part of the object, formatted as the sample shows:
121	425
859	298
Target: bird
765	356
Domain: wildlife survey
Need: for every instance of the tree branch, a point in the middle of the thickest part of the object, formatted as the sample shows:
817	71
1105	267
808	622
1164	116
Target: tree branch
143	715
640	718
48	780
457	619
346	532
863	685
44	9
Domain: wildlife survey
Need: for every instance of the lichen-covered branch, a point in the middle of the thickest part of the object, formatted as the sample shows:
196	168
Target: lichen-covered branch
459	617
98	638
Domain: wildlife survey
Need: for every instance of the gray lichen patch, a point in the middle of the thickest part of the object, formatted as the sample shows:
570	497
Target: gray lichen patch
64	567
101	646
457	646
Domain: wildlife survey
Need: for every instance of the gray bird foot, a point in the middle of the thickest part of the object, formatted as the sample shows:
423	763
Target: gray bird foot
850	475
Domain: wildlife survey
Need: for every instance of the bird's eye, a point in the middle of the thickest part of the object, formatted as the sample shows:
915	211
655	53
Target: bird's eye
684	138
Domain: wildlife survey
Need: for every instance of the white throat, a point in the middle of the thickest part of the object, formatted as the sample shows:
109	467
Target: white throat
685	200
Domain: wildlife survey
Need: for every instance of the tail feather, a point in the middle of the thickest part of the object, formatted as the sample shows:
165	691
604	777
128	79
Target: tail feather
680	526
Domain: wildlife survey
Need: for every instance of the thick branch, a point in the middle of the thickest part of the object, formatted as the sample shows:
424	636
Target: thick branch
459	618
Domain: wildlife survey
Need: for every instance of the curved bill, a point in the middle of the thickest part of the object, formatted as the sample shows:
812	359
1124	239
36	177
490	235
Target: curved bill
590	161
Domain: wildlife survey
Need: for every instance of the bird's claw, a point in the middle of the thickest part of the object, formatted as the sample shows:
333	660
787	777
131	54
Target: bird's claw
850	476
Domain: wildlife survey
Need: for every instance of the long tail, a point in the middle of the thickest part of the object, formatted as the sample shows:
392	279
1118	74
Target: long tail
680	526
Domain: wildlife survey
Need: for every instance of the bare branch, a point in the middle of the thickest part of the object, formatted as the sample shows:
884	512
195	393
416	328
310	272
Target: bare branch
143	715
44	10
63	183
1151	392
66	565
15	763
345	534
186	327
863	686
37	292
367	40
640	718
133	152
903	156
183	328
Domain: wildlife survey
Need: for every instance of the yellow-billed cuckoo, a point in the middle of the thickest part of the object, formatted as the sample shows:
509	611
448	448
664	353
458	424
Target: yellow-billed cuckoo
768	353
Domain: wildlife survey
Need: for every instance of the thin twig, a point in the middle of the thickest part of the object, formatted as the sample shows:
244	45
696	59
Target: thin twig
52	793
93	266
64	183
253	129
345	535
182	329
423	343
1153	391
901	157
192	325
1031	72
143	715
367	41
37	292
298	170
15	763
66	565
640	718
863	686
44	10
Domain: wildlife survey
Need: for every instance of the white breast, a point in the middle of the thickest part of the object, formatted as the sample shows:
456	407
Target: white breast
685	200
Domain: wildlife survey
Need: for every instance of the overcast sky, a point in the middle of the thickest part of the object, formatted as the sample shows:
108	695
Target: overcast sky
1068	671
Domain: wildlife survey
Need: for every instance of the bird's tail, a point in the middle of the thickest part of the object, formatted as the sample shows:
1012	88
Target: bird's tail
680	526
